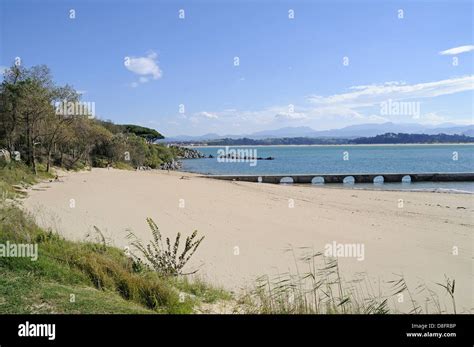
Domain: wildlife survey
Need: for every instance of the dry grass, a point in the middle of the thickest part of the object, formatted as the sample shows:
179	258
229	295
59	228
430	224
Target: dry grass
322	290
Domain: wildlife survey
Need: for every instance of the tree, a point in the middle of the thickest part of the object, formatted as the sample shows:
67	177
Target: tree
150	135
31	124
56	122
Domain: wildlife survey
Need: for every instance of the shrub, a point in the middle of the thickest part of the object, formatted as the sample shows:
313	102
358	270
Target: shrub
167	261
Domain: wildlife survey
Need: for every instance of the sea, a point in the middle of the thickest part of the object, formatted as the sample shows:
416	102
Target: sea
345	159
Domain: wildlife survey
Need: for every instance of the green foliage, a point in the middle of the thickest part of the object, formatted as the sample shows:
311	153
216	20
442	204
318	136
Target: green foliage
167	260
15	176
390	138
159	154
42	133
103	278
149	134
82	267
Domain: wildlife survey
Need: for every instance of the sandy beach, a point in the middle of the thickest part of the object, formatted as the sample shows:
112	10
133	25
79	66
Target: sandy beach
248	226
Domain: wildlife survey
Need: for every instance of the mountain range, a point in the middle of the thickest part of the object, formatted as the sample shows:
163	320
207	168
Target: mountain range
352	131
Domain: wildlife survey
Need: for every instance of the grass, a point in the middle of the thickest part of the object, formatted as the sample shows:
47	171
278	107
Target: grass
197	287
27	293
103	279
122	166
100	278
322	290
16	176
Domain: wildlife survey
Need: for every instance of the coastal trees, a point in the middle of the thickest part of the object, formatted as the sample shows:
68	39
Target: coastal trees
26	103
33	122
56	124
33	106
150	135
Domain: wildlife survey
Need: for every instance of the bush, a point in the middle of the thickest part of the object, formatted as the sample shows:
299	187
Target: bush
167	261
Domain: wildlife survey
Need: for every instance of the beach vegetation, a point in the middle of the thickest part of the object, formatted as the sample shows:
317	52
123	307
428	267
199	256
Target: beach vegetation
167	258
322	289
85	276
37	127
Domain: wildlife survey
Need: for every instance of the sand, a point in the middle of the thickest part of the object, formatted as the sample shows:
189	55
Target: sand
248	226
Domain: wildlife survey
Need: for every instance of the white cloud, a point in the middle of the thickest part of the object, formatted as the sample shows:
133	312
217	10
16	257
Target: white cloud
432	118
370	95
291	116
208	115
360	104
146	67
2	69
458	50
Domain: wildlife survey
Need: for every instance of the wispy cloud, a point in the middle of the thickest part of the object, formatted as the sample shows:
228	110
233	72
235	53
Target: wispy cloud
146	67
370	95
458	50
293	116
207	115
360	104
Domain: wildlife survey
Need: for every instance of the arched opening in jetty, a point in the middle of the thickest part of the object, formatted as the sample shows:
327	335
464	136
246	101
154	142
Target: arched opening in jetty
378	179
286	180
406	179
317	180
348	180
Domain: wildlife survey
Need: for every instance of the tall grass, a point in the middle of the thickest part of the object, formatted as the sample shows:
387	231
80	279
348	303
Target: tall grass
321	289
15	177
167	258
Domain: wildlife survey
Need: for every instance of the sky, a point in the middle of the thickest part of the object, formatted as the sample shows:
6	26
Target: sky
237	67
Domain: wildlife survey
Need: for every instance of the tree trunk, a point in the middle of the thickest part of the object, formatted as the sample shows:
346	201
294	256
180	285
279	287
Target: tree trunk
49	161
30	157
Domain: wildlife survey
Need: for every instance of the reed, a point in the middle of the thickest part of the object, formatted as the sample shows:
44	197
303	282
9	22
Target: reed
321	289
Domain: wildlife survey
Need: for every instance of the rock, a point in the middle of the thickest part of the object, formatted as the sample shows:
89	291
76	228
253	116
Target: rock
172	165
5	155
189	153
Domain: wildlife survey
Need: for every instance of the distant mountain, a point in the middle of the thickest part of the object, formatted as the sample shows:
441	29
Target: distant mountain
352	131
467	130
284	132
365	130
372	130
210	136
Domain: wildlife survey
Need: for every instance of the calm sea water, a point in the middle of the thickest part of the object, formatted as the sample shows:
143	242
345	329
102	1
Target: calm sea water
359	159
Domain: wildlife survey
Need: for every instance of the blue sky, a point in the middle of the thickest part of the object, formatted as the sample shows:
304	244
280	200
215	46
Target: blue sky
138	61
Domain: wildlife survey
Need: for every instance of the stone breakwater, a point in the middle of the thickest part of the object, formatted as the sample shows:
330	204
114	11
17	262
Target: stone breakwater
172	165
183	153
189	153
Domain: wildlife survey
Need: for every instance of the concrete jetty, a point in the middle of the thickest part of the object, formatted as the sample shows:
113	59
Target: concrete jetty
356	178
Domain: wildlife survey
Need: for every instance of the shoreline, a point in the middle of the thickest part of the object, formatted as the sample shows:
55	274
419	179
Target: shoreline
263	220
340	145
356	186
